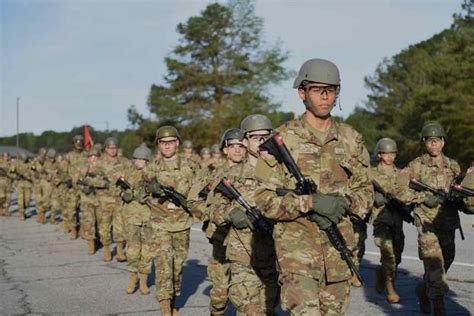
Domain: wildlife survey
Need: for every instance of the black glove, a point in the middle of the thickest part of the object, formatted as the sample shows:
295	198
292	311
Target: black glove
88	190
379	200
431	201
333	206
323	222
127	197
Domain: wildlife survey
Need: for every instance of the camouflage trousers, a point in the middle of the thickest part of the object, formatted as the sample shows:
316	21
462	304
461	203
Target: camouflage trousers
437	250
253	292
5	193
218	270
139	248
57	201
23	191
42	190
89	214
110	218
391	241
69	214
303	295
170	250
360	235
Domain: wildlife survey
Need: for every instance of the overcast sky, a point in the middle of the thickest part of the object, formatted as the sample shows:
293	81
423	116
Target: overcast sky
87	61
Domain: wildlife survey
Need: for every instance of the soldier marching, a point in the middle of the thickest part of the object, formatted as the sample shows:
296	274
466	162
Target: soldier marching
285	209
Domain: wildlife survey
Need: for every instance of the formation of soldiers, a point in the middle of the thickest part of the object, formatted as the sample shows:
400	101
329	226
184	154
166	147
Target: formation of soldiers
281	207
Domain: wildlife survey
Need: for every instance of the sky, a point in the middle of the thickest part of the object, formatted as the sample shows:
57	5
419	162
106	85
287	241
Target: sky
86	61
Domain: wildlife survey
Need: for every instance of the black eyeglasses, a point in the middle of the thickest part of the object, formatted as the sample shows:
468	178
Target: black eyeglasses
259	138
321	90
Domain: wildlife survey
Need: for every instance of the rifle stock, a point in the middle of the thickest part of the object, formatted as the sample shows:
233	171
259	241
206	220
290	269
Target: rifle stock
394	204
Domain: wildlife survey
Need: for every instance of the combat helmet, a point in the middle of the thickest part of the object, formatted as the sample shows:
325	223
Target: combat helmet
51	154
386	145
433	129
111	141
142	152
233	133
256	122
167	131
318	70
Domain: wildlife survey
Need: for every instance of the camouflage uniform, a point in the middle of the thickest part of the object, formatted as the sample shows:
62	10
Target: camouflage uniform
42	187
314	278
22	173
170	225
5	187
60	190
110	202
218	267
75	162
136	218
388	224
253	287
436	226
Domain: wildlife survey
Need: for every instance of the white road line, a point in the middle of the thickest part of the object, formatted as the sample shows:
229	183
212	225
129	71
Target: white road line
376	254
462	264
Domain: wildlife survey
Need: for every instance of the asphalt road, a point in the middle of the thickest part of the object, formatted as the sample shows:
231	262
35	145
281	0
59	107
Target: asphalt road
43	272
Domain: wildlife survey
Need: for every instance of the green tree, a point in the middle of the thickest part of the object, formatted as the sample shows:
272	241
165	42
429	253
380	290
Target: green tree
429	81
218	73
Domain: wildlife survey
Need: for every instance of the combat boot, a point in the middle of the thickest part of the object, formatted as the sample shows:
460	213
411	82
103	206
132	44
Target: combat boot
392	296
65	228
355	282
22	216
143	286
132	283
423	300
438	307
52	219
121	257
107	254
174	310
91	247
73	234
165	307
43	218
379	280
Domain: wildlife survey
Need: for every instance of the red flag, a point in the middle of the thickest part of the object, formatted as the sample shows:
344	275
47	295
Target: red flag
88	142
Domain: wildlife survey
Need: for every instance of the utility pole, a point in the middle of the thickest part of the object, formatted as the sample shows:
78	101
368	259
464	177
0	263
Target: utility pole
18	124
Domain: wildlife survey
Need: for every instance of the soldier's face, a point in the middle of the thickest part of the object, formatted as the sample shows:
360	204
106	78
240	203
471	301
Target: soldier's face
111	150
235	150
434	146
188	150
92	160
216	154
5	156
78	144
206	157
387	159
318	98
255	139
168	146
139	163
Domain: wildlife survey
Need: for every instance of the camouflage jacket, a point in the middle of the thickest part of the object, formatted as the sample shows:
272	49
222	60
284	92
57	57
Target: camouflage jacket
177	173
243	245
136	212
340	165
75	163
110	170
21	171
386	177
426	170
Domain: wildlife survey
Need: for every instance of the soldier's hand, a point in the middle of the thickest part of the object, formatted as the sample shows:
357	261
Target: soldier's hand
154	187
127	197
322	222
88	190
239	219
333	206
431	201
379	200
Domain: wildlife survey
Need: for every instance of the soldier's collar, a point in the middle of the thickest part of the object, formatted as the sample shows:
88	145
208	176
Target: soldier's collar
305	130
429	161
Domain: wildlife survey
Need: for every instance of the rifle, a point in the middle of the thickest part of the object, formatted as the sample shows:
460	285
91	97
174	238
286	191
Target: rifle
3	173
394	204
226	187
277	148
88	189
205	191
454	196
22	177
125	185
67	182
170	194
